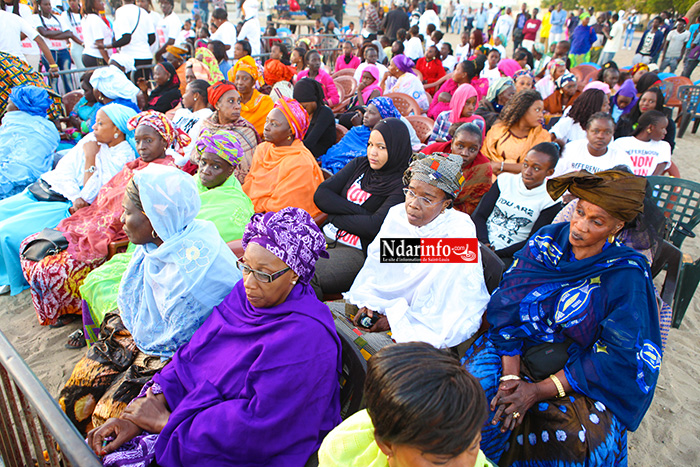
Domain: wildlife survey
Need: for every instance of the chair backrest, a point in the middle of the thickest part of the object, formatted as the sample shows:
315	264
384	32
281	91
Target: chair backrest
352	378
422	125
670	258
671	87
405	104
689	97
340	131
344	72
679	200
347	83
70	99
493	267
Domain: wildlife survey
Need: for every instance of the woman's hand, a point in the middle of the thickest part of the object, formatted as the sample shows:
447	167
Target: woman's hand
121	430
143	85
150	413
79	203
381	325
513	397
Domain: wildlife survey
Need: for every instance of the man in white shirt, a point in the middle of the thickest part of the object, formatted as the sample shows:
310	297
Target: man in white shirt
429	17
413	48
134	33
168	28
250	30
674	48
504	26
225	30
612	46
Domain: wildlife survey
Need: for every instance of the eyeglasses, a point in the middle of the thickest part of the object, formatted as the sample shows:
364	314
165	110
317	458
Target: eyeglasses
259	275
422	200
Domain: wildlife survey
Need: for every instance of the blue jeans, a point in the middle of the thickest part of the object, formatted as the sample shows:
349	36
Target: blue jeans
629	36
63	60
605	57
671	62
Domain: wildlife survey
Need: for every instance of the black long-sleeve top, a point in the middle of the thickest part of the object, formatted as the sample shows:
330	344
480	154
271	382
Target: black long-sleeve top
321	134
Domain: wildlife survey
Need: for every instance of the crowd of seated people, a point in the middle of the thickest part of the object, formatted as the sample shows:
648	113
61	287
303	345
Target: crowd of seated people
196	226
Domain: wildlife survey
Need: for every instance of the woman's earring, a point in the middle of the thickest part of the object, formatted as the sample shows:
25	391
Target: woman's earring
116	135
153	233
611	239
294	282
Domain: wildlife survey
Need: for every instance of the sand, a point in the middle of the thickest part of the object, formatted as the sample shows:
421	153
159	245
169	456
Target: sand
668	435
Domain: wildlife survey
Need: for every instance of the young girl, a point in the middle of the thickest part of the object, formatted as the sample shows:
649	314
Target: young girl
649	153
490	71
625	99
462	107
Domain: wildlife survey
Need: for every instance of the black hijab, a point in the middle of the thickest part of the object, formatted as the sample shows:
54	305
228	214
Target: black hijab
389	179
167	96
646	81
309	90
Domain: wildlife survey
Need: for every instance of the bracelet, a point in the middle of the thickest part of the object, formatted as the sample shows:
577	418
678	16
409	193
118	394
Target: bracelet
557	383
53	66
509	378
502	164
91	170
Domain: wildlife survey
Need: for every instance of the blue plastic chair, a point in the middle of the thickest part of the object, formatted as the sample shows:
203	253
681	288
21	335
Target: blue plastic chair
284	32
592	64
666	75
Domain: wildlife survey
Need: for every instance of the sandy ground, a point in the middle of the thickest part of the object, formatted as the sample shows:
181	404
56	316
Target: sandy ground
669	434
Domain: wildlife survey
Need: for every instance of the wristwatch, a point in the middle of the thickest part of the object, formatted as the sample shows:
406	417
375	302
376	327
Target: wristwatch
91	170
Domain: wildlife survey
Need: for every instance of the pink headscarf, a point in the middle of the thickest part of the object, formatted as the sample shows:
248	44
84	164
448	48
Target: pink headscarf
598	85
295	114
508	67
459	99
366	92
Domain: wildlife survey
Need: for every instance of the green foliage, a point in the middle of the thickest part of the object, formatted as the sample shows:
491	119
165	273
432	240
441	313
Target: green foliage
644	6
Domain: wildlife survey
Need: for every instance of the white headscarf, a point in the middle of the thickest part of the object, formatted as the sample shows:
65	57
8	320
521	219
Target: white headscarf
438	303
124	60
168	291
114	84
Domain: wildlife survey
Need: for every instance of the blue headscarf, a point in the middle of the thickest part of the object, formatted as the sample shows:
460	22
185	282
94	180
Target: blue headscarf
31	99
120	115
386	107
168	291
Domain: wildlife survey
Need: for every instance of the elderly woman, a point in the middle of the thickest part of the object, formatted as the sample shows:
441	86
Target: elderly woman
284	173
517	131
223	203
27	139
414	300
236	379
420	404
71	186
555	68
357	200
180	270
254	105
550	383
462	106
401	78
476	168
498	95
565	94
166	95
321	133
55	279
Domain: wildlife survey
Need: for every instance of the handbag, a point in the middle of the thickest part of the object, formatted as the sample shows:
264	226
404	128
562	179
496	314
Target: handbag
546	359
42	192
49	242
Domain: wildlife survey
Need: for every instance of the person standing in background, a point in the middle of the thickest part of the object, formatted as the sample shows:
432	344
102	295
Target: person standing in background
630	25
674	48
601	29
225	31
134	33
532	25
394	20
250	30
546	26
480	19
651	43
469	20
519	26
614	40
571	23
557	20
168	28
504	27
583	38
71	18
56	35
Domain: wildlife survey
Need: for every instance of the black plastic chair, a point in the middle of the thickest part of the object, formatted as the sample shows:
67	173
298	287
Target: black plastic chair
667	257
690	98
352	379
679	200
493	267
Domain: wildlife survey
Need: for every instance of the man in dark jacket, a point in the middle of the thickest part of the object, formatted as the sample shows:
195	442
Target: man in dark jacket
394	20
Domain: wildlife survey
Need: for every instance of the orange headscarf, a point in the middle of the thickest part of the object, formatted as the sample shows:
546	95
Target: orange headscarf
276	71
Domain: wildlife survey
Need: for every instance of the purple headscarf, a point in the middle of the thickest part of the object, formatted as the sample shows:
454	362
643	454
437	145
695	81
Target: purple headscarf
292	236
627	90
403	63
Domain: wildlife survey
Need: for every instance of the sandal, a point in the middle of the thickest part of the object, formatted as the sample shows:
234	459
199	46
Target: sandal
63	320
76	340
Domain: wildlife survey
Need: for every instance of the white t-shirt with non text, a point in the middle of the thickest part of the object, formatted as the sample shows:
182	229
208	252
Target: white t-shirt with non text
615	40
645	155
676	42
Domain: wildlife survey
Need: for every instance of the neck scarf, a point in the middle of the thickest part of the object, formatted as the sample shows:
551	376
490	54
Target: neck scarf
508	67
291	235
164	127
31	99
366	92
222	143
404	63
296	116
183	278
627	90
248	65
463	93
120	116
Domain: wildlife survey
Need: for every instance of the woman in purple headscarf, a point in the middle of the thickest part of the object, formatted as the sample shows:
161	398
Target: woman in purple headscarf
239	393
623	102
401	78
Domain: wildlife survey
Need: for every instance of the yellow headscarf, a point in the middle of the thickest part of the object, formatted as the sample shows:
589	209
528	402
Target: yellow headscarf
248	65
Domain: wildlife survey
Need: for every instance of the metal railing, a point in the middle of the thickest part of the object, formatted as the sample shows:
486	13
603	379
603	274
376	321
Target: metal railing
33	428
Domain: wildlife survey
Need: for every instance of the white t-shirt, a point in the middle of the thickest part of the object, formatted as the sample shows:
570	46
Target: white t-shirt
156	18
360	69
29	47
12	26
449	63
168	28
516	210
491	75
568	130
413	48
191	123
74	22
125	21
250	31
645	156
94	29
462	52
616	32
226	33
676	42
53	23
576	157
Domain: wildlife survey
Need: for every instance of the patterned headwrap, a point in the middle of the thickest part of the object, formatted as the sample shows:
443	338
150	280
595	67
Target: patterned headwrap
563	79
207	59
403	63
440	170
222	143
292	236
637	67
522	72
539	48
498	87
176	51
386	107
248	65
553	63
31	99
296	116
215	91
164	127
620	194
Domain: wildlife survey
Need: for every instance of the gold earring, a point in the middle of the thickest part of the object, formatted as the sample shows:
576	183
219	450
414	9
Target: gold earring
611	239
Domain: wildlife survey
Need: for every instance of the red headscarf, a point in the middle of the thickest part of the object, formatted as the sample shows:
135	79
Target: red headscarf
217	90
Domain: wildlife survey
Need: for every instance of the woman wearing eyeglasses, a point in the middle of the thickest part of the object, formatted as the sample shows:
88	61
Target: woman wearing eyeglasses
180	270
437	303
237	393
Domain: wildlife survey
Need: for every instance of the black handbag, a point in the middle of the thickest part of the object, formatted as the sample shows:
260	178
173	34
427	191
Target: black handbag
49	242
43	192
546	359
